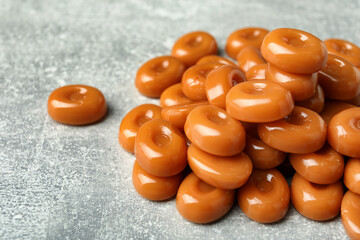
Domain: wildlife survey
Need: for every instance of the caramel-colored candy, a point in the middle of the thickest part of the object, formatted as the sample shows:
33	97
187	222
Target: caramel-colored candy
216	59
242	38
155	188
350	212
257	72
259	101
339	79
354	101
212	130
331	108
352	175
344	132
344	49
193	46
200	202
157	74
194	78
160	148
265	197
249	57
316	201
221	172
323	167
303	131
316	102
294	51
76	105
173	96
220	81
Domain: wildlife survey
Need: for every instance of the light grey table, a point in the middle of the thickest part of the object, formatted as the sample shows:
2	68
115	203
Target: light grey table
63	182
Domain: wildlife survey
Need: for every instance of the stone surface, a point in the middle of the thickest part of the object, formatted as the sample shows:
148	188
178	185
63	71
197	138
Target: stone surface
63	182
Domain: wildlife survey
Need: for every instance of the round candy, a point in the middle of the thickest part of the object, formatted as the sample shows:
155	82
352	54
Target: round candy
200	202
193	46
352	175
257	72
173	96
344	49
315	201
303	131
155	188
194	78
220	81
331	108
221	172
249	57
242	38
301	86
157	74
259	101
350	212
212	130
76	105
160	148
339	79
265	197
316	102
344	132
294	51
132	122
323	167
215	59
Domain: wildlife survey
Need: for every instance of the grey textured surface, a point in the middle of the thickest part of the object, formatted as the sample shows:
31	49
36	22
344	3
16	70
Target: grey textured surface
63	182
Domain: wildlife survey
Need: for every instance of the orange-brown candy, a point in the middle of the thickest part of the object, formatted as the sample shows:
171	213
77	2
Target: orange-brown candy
344	132
323	167
132	122
352	175
194	78
193	46
242	38
294	51
160	148
262	155
200	202
220	81
350	212
316	201
331	108
355	101
344	49
316	102
212	130
152	187
76	105
177	114
301	86
265	197
173	96
221	172
257	72
157	74
215	59
339	79
249	57
303	131
259	101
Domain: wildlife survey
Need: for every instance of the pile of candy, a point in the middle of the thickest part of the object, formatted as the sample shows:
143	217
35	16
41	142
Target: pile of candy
291	101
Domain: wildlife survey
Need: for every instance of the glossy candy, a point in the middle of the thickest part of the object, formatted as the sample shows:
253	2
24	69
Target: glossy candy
76	105
132	122
303	131
249	57
215	59
193	46
344	132
220	81
350	212
221	172
352	175
257	72
157	74
152	187
316	102
344	49
212	130
173	96
294	51
160	148
316	201
259	101
331	108
200	202
265	197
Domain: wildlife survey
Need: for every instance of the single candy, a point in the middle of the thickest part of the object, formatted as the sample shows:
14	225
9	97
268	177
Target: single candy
215	59
352	175
173	96
249	57
350	212
344	49
257	72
